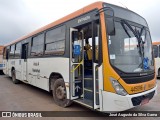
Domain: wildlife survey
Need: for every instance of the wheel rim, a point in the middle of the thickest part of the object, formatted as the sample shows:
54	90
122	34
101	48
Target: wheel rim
60	93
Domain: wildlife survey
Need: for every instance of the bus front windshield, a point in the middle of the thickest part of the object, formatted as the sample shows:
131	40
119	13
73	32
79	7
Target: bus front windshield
130	49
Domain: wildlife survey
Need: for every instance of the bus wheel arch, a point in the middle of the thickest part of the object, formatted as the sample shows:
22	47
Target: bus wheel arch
53	77
13	76
58	88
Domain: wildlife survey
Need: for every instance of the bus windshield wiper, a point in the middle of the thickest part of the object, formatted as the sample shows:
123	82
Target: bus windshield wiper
142	44
137	34
123	23
125	30
140	35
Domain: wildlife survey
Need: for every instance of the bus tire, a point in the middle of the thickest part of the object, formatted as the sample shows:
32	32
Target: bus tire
14	80
1	72
59	93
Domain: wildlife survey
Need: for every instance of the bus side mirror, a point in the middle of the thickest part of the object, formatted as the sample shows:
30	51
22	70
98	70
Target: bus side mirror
110	22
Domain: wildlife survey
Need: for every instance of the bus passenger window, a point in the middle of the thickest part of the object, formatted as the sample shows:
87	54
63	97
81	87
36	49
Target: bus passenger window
37	45
77	46
12	49
4	53
7	54
55	41
18	50
158	51
155	51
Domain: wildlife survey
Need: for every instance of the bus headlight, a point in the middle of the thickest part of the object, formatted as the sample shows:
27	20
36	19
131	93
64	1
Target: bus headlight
118	88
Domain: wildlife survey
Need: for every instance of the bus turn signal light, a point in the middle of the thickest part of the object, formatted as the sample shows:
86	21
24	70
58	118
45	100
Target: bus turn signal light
118	88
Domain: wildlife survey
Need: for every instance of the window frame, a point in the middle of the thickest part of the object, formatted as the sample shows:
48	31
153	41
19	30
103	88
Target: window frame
31	44
11	57
54	28
19	54
5	53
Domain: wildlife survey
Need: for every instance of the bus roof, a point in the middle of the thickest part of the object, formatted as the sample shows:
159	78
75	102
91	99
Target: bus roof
156	43
64	19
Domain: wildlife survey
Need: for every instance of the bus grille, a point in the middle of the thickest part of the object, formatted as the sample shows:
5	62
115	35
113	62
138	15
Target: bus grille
140	79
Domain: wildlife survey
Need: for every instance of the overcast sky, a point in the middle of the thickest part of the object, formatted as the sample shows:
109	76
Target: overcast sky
20	17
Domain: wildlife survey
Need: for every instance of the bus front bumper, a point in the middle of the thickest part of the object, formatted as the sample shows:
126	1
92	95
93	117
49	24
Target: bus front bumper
115	103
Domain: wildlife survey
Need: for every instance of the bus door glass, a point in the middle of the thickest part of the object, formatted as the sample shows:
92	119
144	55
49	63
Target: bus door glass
7	62
76	63
24	61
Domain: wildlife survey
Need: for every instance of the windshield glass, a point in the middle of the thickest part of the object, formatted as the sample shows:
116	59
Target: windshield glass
130	49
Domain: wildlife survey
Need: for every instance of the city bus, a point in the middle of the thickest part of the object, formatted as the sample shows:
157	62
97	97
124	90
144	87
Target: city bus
156	51
99	56
1	58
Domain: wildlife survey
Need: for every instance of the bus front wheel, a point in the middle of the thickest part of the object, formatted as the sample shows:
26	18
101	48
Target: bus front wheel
59	93
15	81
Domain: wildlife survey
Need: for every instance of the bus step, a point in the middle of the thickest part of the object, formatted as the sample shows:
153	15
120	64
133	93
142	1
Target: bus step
78	78
88	78
85	102
90	89
88	94
25	81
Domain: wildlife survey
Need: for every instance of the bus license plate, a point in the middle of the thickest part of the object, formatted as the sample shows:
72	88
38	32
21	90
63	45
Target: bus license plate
145	101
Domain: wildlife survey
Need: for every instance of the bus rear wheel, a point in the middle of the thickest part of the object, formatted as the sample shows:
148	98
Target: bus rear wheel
14	80
59	93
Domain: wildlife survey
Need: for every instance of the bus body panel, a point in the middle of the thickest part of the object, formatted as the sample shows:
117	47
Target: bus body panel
156	51
117	103
139	87
40	69
5	67
18	68
157	67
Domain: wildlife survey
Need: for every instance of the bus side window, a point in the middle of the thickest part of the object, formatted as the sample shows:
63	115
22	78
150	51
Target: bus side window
158	53
17	50
12	50
7	54
4	53
155	51
37	45
55	41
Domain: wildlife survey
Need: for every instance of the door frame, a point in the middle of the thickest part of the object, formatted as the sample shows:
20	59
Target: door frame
77	64
24	61
94	65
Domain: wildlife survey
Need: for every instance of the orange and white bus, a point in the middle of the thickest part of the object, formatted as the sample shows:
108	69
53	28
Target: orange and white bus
156	51
1	58
83	57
